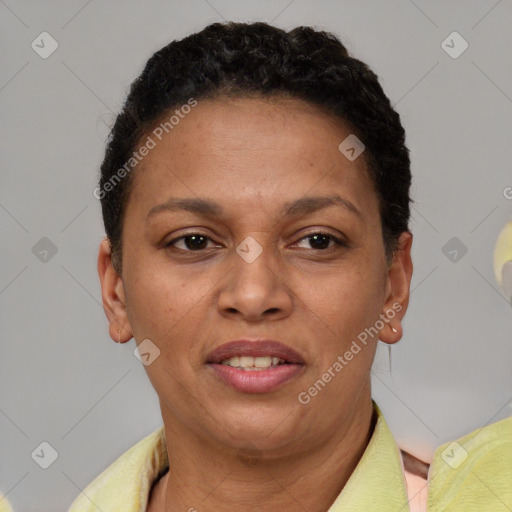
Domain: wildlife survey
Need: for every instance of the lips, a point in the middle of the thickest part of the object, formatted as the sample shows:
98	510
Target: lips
255	380
254	348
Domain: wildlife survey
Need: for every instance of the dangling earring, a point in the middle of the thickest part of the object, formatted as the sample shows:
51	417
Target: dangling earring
119	337
389	350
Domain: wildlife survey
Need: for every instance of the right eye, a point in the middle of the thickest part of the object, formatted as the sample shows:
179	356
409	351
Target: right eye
193	242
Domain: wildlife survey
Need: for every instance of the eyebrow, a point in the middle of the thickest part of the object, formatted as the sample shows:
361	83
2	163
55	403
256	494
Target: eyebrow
209	208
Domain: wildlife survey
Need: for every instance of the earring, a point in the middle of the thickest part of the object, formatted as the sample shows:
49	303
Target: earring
389	349
119	337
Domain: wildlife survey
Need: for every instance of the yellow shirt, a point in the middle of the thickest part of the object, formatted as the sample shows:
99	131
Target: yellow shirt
5	506
472	474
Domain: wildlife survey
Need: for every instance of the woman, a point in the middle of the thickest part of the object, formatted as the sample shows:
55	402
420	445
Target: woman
255	195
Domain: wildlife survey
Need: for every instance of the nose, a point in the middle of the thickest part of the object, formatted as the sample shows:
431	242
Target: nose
256	290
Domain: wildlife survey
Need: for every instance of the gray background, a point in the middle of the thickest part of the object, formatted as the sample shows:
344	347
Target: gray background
63	381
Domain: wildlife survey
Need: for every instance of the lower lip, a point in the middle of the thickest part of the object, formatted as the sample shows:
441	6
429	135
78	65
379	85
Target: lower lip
256	381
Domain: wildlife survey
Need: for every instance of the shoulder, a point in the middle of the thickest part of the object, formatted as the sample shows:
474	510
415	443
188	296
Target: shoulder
125	485
474	472
4	504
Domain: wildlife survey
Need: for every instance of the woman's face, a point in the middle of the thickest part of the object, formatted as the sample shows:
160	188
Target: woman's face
254	270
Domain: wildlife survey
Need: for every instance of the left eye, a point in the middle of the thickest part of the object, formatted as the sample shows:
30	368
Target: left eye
320	241
197	241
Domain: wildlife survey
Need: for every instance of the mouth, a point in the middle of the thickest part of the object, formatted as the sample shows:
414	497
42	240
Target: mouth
249	364
255	366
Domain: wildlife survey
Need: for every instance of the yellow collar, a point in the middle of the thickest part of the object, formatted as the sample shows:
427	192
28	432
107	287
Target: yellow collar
377	482
472	474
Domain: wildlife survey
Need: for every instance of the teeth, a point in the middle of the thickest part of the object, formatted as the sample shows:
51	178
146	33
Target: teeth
246	362
253	363
234	361
262	362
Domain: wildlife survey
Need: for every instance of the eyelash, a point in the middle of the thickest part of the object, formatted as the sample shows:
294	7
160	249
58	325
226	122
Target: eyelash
338	242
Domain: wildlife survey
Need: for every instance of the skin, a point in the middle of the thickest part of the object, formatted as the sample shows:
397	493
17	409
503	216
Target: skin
252	156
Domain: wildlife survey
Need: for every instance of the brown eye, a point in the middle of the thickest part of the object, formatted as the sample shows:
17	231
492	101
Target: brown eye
193	242
321	241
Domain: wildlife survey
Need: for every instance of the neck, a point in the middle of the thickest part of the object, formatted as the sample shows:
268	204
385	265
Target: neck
208	477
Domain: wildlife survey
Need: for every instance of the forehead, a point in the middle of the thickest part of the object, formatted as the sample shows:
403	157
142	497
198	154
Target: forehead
238	149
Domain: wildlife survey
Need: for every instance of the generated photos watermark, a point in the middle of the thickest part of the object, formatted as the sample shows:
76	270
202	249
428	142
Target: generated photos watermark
304	397
151	141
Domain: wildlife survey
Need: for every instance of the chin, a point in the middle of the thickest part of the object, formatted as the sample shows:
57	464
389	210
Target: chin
267	427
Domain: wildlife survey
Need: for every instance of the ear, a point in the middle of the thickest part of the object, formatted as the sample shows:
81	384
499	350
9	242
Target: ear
112	293
397	290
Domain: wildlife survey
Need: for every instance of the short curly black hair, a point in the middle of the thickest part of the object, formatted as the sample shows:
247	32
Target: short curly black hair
244	59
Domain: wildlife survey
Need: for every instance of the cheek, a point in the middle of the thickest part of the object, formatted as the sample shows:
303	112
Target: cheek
345	297
163	302
153	301
337	314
